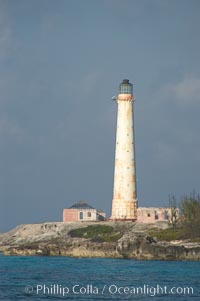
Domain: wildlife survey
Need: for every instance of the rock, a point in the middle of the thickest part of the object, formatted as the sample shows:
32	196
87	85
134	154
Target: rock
151	240
53	239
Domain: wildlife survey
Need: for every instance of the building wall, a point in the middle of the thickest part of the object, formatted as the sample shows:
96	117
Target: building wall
70	215
153	215
88	214
75	215
102	213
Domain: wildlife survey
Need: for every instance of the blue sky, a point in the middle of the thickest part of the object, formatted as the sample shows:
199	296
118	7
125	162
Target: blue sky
60	64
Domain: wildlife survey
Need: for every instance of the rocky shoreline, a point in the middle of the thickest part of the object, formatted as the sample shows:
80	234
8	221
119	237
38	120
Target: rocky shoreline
131	240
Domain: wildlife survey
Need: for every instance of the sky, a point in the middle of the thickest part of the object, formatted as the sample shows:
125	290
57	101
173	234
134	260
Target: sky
60	64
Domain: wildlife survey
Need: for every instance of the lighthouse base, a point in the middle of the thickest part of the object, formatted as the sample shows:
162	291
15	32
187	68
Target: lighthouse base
124	210
122	220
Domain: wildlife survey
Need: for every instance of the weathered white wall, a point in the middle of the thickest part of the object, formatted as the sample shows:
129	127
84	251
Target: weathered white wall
124	204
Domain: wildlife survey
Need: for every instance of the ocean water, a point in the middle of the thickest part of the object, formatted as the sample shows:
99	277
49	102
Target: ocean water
64	278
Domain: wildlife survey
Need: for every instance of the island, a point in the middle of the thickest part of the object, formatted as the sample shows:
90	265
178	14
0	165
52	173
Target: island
129	240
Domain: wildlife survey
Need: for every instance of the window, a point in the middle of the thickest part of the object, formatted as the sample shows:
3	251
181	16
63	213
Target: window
148	214
126	88
81	215
156	215
89	214
166	216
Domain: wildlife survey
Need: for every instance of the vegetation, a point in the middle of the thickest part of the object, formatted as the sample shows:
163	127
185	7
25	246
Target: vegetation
167	234
187	226
190	223
97	233
174	211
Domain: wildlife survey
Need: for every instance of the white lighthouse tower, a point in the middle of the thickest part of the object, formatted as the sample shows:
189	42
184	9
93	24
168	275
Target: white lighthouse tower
124	204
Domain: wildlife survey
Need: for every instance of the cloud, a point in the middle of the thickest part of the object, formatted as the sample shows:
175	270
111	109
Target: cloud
186	91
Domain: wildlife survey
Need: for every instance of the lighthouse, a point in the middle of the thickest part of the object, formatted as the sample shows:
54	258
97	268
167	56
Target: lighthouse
124	204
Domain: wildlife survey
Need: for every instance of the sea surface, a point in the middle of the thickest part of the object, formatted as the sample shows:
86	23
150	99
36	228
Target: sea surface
64	278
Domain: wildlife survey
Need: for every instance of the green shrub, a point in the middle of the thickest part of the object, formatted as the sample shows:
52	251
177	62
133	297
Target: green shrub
167	234
97	233
190	207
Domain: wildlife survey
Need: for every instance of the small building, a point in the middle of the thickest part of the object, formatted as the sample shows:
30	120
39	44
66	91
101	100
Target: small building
82	211
152	215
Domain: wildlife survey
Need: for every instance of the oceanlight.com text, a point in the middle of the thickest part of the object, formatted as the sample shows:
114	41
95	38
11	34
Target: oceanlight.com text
107	289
